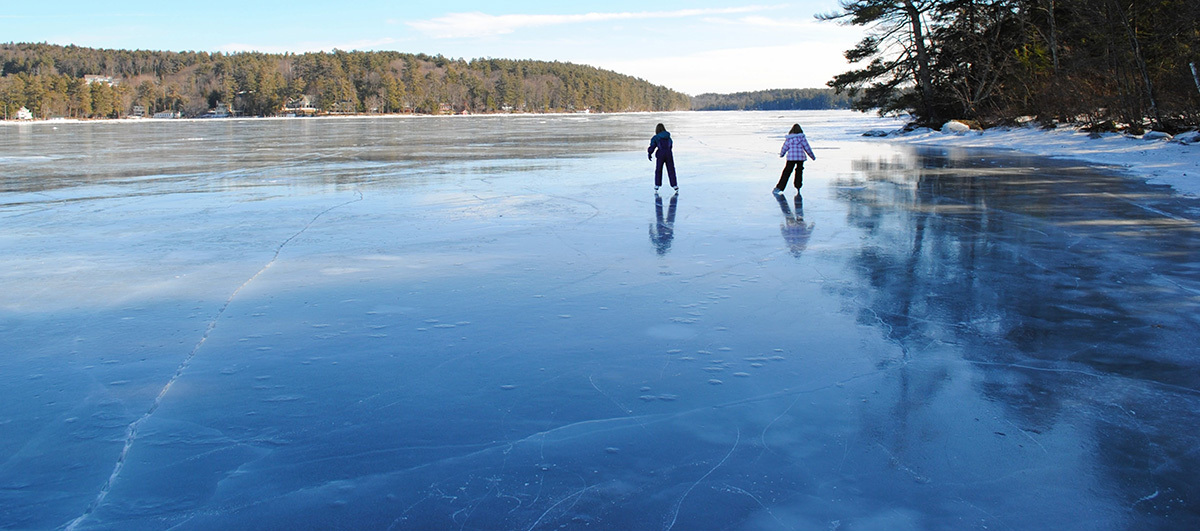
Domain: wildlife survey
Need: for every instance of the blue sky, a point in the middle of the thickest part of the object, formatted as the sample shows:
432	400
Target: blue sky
692	46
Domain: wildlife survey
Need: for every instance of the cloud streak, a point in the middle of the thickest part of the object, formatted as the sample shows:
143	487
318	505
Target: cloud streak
768	22
743	69
477	24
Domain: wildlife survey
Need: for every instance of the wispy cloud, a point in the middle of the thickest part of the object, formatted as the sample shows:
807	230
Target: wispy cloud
476	24
742	69
808	29
768	22
82	15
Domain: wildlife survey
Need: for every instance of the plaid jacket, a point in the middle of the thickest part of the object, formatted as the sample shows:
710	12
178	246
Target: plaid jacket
795	146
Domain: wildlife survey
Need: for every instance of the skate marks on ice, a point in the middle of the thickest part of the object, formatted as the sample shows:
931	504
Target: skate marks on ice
588	472
131	432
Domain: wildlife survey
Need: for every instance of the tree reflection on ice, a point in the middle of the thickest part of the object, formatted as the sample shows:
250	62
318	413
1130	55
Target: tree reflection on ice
1070	303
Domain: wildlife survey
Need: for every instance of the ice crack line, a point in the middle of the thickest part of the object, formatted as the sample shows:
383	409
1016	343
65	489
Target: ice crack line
131	432
678	504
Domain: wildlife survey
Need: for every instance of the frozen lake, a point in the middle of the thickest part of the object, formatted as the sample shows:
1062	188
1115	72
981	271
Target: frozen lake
494	323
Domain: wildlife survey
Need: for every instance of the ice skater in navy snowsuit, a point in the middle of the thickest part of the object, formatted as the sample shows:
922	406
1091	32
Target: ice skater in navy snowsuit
795	146
662	143
663	230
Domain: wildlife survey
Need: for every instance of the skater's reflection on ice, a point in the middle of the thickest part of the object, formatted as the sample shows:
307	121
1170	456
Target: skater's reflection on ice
795	232
663	230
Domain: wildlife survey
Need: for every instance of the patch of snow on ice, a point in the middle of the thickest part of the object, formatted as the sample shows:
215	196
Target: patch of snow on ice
1174	163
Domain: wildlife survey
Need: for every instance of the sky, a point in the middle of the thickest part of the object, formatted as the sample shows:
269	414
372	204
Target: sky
692	46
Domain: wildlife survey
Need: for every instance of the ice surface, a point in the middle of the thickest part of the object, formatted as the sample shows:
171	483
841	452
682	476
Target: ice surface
465	323
1149	157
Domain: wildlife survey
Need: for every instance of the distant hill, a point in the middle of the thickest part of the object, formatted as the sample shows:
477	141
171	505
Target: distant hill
772	100
77	82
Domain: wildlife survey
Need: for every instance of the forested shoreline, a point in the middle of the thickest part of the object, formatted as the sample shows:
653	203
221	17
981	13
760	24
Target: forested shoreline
76	82
772	100
1109	64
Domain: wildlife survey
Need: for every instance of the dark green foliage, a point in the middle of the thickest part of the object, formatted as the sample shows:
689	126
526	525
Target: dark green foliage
898	76
772	100
1091	61
48	79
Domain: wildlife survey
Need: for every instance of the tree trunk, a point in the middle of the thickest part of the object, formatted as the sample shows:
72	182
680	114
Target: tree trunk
1141	62
1053	36
924	80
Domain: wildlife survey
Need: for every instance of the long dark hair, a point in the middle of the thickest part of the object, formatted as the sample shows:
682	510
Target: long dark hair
795	129
660	128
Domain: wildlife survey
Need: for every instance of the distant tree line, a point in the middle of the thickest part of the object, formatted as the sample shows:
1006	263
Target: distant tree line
772	100
1092	61
49	81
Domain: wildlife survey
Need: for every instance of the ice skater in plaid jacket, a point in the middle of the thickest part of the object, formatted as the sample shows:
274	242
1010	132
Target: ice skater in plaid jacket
795	147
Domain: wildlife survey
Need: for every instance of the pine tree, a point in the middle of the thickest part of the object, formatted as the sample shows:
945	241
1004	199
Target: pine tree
897	46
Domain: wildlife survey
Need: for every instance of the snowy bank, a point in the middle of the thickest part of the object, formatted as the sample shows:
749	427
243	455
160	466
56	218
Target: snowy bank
1163	160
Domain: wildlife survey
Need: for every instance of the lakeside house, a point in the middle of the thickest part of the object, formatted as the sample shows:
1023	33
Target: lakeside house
344	107
299	106
24	114
169	115
222	110
106	80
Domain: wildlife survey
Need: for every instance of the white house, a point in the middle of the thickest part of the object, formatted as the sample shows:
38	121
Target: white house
222	110
107	80
24	114
301	105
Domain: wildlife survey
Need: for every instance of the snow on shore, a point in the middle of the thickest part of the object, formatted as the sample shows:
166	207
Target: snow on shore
1159	160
